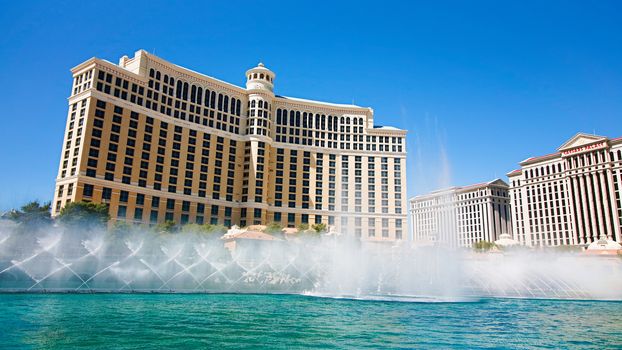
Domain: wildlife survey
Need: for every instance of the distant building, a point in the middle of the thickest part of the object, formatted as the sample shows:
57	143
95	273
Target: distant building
159	142
462	216
570	197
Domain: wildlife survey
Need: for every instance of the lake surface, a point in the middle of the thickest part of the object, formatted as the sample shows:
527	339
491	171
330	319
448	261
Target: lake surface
204	321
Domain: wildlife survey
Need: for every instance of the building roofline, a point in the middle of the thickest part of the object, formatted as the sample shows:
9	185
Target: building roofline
531	160
189	71
459	189
515	172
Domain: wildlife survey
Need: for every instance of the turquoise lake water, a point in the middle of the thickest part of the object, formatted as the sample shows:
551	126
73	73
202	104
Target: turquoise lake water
199	321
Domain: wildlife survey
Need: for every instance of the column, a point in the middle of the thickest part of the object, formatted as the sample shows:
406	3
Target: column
614	204
590	237
597	203
604	195
583	209
573	198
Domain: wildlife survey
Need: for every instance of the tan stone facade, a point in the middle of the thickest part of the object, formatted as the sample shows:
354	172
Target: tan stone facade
461	216
160	142
569	197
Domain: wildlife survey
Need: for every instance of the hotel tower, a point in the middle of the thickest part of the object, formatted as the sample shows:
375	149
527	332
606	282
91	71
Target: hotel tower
462	216
570	197
159	142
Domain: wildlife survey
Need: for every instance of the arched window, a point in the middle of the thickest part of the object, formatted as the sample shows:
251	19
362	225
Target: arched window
278	116
260	104
232	105
179	89
226	104
285	117
158	76
261	76
213	100
253	104
292	116
330	123
348	120
193	94
360	121
343	120
237	108
298	119
185	93
166	78
206	103
220	98
151	73
619	154
199	95
172	81
255	76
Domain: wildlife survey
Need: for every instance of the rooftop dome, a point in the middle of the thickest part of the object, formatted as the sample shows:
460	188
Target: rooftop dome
604	244
260	77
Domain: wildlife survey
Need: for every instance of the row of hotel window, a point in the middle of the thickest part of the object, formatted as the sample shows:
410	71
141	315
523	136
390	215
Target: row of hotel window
202	210
160	158
73	139
223	104
175	154
220	111
574	162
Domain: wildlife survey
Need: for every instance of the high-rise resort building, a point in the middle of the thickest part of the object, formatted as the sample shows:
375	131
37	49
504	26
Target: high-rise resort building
462	216
570	197
160	142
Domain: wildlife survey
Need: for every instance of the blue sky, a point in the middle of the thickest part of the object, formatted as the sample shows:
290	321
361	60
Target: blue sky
479	85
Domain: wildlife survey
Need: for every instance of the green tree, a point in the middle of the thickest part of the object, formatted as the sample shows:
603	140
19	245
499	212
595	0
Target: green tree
319	228
32	215
120	228
274	228
303	227
84	215
206	229
483	246
167	226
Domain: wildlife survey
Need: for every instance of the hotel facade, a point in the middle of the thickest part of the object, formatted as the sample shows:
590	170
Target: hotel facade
462	216
159	142
570	197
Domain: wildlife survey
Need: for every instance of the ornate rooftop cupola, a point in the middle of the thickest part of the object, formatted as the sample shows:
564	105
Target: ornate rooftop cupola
260	78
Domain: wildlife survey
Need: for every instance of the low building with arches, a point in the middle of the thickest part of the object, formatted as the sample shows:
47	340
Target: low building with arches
570	197
160	142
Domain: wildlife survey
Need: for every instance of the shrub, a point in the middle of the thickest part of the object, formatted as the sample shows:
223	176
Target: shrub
84	214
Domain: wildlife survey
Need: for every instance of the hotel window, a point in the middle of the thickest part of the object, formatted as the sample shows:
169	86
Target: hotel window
121	212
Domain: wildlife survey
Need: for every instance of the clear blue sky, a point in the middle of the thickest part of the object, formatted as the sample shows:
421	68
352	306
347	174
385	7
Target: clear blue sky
479	85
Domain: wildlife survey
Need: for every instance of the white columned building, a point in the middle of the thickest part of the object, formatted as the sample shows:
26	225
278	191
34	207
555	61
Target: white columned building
461	216
569	197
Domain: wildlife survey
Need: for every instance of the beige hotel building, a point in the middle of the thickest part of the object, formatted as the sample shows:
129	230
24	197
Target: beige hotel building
461	216
570	197
159	142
